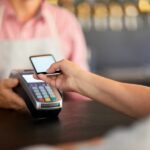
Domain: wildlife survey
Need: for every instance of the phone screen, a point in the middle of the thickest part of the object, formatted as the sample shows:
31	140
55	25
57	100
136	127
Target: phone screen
42	63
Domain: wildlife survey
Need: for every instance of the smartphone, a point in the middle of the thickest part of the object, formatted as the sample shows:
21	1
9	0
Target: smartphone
41	63
43	100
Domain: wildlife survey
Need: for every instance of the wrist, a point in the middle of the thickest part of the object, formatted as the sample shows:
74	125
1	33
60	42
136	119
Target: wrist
81	80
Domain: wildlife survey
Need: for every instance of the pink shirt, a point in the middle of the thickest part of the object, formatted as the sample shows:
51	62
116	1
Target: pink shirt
70	33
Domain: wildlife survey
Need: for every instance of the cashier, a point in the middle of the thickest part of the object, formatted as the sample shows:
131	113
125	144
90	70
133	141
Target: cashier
30	27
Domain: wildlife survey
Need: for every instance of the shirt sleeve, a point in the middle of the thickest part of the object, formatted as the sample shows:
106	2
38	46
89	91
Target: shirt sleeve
73	35
80	52
136	137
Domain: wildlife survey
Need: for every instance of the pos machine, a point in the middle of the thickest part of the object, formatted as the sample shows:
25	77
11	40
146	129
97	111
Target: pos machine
42	100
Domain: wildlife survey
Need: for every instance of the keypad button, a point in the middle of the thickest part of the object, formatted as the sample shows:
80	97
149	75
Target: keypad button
53	98
42	90
41	87
44	93
38	93
48	88
50	92
46	96
40	99
47	99
52	95
34	88
39	96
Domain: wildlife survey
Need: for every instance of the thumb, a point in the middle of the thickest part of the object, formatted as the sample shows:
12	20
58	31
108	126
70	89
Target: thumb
56	66
10	83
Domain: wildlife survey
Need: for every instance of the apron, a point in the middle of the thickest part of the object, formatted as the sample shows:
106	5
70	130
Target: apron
14	54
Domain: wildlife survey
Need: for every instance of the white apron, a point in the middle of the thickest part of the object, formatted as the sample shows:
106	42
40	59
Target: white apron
14	54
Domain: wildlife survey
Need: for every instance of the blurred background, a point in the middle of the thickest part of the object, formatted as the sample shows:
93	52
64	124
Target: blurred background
117	33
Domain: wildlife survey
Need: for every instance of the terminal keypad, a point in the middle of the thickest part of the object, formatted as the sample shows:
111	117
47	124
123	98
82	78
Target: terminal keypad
43	92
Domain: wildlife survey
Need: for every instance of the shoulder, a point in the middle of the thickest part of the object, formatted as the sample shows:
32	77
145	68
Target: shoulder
61	14
65	21
2	2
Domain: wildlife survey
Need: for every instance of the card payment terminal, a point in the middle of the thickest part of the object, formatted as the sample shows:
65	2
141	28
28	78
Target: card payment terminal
42	100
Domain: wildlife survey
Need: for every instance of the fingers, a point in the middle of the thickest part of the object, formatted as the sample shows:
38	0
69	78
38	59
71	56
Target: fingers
35	76
10	100
49	80
44	78
9	83
17	102
56	66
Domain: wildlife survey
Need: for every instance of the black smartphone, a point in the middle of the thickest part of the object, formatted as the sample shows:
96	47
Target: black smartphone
41	63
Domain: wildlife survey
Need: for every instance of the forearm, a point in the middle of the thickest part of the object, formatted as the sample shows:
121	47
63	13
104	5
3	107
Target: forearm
131	99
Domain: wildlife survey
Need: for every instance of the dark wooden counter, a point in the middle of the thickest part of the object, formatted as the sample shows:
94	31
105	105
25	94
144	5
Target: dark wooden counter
77	121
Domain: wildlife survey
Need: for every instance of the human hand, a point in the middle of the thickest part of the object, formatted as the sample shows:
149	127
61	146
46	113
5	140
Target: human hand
8	99
68	80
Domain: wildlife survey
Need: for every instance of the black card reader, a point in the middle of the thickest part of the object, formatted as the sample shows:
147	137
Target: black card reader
42	100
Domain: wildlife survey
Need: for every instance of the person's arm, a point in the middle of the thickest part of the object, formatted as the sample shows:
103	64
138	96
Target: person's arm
131	99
